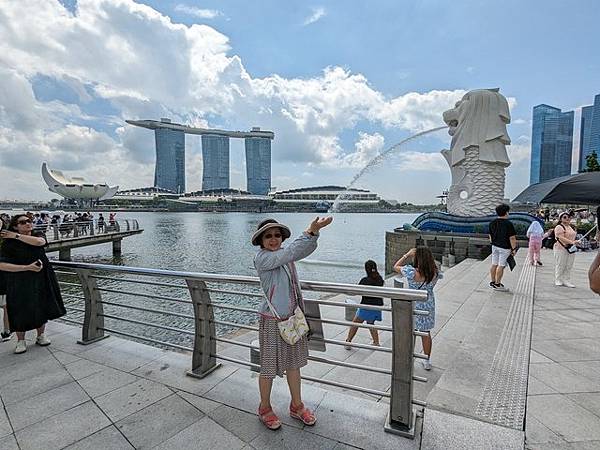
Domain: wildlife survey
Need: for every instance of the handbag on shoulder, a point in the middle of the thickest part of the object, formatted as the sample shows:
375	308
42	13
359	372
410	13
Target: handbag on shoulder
294	327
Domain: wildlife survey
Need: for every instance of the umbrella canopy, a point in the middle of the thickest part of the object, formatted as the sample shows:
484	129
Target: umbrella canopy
581	188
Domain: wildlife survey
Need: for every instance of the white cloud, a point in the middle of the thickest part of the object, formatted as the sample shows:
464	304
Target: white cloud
146	66
412	161
317	14
198	12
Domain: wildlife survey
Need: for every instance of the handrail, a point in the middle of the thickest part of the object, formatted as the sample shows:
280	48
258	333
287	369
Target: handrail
205	354
319	286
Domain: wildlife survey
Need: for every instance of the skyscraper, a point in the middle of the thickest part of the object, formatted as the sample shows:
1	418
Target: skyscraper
589	138
215	162
258	165
169	172
551	143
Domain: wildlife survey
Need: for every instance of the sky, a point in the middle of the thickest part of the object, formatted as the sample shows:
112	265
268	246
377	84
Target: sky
337	81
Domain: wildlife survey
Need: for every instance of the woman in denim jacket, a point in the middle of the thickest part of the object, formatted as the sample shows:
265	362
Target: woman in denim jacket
279	282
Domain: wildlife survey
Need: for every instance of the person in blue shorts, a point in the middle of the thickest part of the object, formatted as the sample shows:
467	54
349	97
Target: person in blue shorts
423	274
370	316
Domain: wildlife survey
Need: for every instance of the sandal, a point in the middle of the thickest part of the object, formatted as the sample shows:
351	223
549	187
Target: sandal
268	418
303	414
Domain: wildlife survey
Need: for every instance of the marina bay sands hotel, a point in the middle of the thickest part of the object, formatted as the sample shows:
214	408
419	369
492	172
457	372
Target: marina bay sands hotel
169	172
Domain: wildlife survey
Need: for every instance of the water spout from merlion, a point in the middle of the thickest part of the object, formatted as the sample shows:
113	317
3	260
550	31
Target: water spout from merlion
376	161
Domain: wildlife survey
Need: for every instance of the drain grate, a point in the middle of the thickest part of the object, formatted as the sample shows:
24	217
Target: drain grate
504	396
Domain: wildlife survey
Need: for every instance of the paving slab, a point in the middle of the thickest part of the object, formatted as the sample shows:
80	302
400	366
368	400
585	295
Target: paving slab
562	379
131	398
290	438
565	417
105	381
5	427
63	429
446	431
203	404
158	422
340	417
204	434
121	354
9	443
107	438
47	404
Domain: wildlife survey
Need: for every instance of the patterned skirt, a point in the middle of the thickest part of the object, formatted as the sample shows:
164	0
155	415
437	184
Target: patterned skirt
276	355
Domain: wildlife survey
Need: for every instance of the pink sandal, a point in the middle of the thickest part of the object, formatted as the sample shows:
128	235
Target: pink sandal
303	414
268	418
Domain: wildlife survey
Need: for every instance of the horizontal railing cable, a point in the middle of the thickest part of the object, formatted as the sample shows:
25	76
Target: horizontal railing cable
143	338
152	310
140	294
131	280
148	324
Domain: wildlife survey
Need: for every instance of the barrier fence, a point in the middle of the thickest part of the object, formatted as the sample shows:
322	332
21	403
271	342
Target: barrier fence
194	321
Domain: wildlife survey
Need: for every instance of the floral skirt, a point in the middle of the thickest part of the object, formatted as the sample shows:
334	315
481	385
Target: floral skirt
276	355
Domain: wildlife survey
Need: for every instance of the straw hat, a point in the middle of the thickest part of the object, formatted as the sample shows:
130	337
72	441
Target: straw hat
266	225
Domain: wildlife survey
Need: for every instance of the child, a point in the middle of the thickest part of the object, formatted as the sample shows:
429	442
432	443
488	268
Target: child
373	278
423	275
535	233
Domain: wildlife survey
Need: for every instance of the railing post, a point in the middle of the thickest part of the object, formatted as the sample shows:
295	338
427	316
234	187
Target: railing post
205	344
91	227
401	417
56	232
117	226
92	321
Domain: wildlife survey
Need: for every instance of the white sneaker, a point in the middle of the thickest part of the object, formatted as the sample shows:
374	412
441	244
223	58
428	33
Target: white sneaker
42	340
558	283
568	284
21	347
426	364
348	347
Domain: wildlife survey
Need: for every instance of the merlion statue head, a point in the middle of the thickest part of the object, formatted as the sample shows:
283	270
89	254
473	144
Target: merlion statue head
479	119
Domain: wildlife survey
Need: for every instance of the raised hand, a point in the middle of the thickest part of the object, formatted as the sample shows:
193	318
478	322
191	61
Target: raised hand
7	234
319	223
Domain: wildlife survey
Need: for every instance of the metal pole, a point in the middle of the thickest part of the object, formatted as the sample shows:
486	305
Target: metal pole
401	417
93	321
205	344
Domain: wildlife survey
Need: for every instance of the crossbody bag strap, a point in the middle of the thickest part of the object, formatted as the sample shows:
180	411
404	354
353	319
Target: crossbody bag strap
271	307
561	242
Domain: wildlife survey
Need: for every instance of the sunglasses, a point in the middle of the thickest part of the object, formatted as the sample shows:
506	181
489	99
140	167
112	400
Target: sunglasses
23	222
270	236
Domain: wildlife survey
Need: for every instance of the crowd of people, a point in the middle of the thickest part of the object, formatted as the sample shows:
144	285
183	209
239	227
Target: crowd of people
69	224
561	236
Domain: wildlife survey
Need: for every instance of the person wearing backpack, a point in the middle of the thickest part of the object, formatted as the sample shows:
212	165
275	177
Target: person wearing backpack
564	251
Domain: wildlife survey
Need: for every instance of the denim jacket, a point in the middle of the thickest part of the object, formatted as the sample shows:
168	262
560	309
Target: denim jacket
276	271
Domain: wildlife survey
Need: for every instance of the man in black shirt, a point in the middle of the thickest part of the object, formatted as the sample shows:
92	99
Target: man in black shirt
503	238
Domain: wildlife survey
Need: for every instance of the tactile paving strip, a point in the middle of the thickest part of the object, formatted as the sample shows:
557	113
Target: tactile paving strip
504	396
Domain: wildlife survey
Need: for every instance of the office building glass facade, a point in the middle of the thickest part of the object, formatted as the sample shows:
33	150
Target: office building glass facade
215	162
169	172
258	165
551	143
590	131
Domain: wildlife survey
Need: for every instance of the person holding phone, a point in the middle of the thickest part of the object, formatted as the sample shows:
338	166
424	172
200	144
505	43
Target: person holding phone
32	292
564	250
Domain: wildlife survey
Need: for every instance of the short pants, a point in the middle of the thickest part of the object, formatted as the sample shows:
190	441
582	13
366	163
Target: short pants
499	256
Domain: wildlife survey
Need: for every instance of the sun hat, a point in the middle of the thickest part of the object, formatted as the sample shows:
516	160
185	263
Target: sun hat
266	225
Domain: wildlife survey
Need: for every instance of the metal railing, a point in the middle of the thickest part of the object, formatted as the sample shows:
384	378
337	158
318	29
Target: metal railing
68	230
205	356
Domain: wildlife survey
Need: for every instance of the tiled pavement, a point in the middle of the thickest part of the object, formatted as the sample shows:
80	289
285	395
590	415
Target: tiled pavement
119	394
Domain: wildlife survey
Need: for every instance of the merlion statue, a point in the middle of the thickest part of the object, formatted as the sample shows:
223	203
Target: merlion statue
477	155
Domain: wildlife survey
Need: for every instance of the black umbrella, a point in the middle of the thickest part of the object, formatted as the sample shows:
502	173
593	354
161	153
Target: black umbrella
581	188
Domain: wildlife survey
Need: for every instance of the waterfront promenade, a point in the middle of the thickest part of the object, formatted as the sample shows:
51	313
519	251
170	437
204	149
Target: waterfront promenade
501	360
